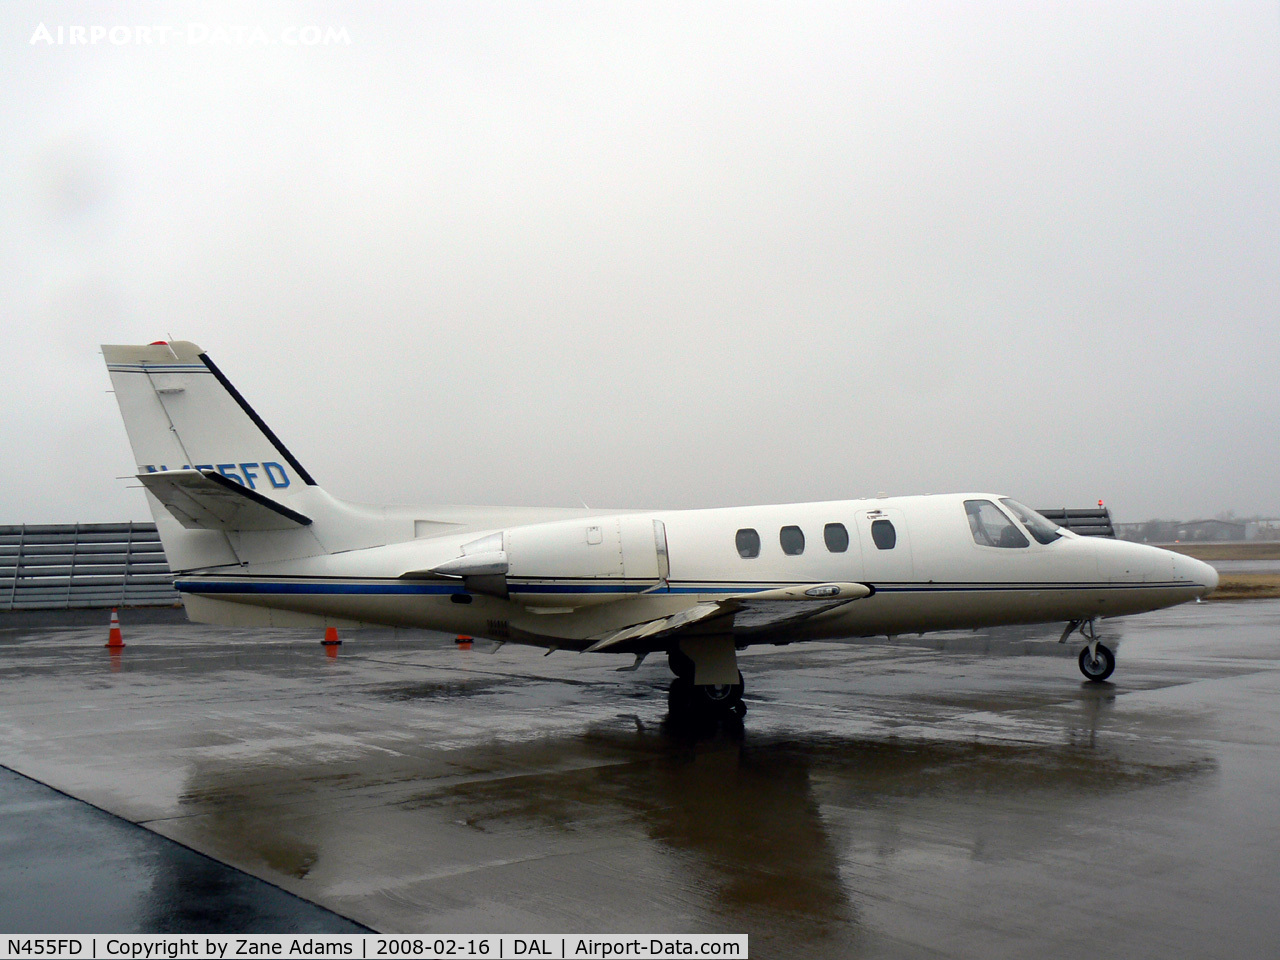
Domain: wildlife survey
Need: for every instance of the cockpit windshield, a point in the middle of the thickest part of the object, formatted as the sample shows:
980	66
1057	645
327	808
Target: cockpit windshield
1045	531
990	527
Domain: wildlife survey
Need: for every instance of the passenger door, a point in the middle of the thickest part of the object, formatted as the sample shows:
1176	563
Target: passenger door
886	546
644	548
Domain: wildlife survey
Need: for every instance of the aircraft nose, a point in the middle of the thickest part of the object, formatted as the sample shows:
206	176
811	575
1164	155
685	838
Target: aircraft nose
1197	570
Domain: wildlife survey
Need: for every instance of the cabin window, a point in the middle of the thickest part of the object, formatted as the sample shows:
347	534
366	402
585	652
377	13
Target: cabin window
792	540
883	535
748	543
1046	531
836	536
990	526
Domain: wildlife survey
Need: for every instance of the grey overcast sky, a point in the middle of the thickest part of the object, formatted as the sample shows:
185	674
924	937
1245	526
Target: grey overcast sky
657	254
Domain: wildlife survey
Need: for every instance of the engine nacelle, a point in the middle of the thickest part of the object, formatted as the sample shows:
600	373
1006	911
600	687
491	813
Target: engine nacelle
545	562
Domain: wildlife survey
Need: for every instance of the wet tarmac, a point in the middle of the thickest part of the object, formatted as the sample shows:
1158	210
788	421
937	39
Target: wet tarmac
964	795
66	867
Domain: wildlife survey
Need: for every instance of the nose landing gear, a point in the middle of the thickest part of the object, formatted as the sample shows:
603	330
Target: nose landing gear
1097	660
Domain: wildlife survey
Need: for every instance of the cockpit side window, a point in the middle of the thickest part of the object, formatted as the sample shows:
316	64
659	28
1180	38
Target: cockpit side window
990	526
1044	530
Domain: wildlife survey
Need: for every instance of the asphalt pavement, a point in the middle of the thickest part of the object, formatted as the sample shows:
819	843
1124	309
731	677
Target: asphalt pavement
957	795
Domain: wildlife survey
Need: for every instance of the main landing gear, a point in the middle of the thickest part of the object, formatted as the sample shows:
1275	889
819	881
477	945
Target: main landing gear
681	664
1097	660
712	697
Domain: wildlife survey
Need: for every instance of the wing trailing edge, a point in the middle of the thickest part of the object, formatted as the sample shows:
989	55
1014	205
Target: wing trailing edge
748	612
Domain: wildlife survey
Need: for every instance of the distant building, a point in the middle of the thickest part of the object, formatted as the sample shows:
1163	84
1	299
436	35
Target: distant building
1132	531
1196	531
1149	531
1262	530
1186	531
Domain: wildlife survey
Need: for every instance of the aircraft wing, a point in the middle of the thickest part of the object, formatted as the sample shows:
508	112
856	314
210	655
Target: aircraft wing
748	612
206	500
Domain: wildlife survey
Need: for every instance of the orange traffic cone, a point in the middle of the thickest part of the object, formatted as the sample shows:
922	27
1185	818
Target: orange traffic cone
115	639
331	637
463	642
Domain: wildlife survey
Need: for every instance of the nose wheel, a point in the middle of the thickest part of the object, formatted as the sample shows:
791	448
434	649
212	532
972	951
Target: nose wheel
1097	662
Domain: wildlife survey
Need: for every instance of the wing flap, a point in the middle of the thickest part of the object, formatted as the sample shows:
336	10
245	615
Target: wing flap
749	611
662	627
758	614
206	500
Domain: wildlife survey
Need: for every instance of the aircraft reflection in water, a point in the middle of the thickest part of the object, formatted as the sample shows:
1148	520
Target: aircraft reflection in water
254	541
690	823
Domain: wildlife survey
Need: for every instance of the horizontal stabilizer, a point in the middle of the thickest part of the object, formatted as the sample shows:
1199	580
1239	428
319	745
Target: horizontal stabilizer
206	500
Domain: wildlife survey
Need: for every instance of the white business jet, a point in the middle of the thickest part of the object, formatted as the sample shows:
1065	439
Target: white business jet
254	541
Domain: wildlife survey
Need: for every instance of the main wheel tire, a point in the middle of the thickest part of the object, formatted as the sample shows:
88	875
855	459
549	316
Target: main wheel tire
720	695
1096	669
681	664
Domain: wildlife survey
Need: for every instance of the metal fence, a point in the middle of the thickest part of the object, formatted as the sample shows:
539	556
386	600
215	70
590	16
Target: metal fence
78	565
1093	522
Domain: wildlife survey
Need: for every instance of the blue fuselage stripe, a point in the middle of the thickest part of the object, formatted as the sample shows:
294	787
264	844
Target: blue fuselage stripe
249	587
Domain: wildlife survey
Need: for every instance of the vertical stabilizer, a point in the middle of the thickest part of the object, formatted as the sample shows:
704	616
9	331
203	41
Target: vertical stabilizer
182	414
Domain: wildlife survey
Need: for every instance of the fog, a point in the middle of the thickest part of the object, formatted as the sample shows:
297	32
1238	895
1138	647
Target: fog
657	254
